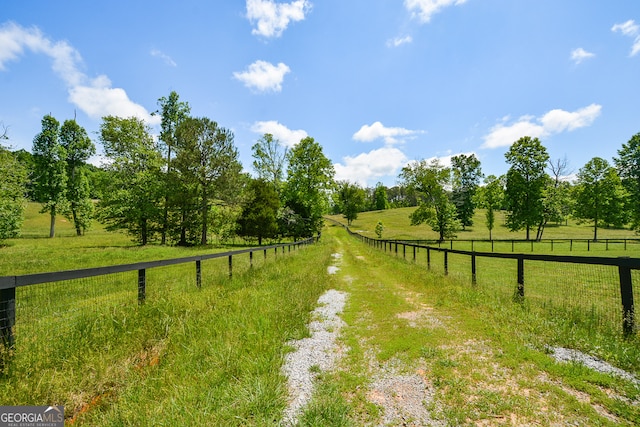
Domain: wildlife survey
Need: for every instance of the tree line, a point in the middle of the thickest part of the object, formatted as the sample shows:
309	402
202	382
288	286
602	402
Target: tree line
176	188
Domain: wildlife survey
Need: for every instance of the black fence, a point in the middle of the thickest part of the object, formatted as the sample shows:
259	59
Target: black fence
16	303
594	286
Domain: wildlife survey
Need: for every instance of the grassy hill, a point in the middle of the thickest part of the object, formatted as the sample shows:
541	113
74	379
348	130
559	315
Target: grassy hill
398	226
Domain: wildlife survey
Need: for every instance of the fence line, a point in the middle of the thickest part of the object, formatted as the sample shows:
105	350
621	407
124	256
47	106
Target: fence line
623	266
9	284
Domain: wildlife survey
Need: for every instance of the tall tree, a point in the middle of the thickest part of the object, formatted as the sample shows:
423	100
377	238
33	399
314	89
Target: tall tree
599	195
259	216
133	199
172	111
50	176
380	201
350	200
429	180
309	180
13	177
208	159
628	164
466	178
78	148
490	197
270	159
525	183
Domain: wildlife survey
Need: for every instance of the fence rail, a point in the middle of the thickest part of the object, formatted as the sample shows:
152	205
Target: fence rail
623	267
9	284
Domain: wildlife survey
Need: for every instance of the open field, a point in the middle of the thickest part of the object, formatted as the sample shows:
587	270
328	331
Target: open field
212	356
397	226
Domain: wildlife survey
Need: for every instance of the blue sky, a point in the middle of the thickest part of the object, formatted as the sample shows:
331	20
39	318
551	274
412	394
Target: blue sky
378	83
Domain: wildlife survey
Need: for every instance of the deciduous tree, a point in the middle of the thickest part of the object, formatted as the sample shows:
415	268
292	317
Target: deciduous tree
466	178
429	180
259	216
50	175
525	183
350	199
270	159
490	197
12	194
628	164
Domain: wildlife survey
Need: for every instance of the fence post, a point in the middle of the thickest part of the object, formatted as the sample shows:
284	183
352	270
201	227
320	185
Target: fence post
428	258
446	262
626	293
512	246
414	254
520	293
404	251
230	266
198	273
251	258
473	269
7	317
142	286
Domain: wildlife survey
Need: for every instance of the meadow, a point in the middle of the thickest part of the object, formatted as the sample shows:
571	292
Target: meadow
212	355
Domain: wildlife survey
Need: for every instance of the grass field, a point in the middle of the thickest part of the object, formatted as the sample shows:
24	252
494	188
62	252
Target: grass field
212	356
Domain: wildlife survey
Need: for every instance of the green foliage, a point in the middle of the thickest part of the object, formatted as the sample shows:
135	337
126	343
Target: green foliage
13	177
379	229
50	175
350	200
466	178
78	148
429	181
490	197
628	164
132	201
207	163
525	183
306	192
600	195
259	216
270	159
380	201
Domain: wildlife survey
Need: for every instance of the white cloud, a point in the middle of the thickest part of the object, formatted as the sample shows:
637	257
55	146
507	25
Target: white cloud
368	133
399	41
578	55
94	97
368	167
166	58
630	29
555	121
263	76
272	18
286	136
424	9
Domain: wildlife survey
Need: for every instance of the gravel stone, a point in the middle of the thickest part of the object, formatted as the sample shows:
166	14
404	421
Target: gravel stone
562	354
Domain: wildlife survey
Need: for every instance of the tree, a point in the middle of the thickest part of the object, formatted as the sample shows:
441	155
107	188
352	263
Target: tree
379	229
466	178
525	183
380	201
490	197
50	176
599	195
350	199
172	111
259	216
207	159
78	148
628	165
309	180
270	159
13	177
133	199
429	180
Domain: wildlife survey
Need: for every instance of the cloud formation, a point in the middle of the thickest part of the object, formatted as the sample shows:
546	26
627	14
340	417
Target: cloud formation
272	18
95	97
377	130
399	41
578	55
553	122
365	168
630	29
424	9
166	58
263	76
286	136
